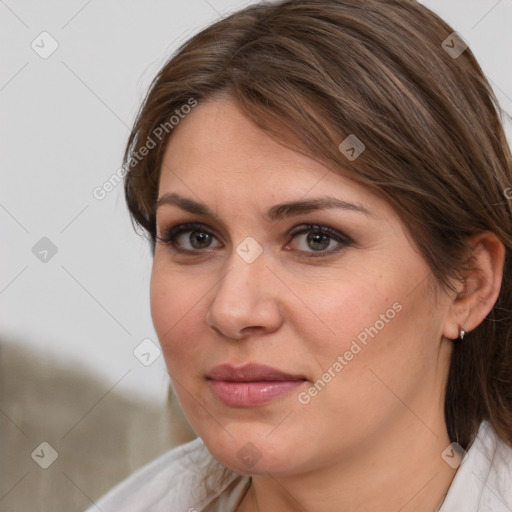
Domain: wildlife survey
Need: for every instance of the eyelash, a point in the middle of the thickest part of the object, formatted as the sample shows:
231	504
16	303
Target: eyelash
171	235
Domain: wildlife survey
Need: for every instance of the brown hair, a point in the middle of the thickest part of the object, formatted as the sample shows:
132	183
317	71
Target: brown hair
313	72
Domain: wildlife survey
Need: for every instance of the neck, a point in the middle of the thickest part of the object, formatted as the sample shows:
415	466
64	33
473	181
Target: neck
400	469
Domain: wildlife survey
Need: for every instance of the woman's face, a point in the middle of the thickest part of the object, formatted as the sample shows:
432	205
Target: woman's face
296	319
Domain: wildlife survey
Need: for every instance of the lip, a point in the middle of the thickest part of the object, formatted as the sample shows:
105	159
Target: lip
251	385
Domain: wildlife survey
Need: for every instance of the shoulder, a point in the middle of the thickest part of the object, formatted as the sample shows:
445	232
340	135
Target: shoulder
483	480
174	481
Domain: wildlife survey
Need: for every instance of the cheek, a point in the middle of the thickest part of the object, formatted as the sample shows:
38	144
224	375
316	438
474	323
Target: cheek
177	307
382	337
373	321
336	312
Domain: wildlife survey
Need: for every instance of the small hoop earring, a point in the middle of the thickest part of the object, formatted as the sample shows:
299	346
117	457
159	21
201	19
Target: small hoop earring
462	333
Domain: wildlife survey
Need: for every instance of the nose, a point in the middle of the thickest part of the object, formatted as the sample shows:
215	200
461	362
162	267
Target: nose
246	300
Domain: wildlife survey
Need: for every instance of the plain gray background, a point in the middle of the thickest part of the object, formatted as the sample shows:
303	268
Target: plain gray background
63	125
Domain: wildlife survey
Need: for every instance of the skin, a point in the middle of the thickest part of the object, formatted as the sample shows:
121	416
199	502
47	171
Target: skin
372	438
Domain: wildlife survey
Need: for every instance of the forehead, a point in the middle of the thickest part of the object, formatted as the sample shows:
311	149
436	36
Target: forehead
216	147
216	140
218	157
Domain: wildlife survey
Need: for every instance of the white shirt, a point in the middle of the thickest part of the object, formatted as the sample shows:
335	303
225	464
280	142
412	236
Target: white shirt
175	482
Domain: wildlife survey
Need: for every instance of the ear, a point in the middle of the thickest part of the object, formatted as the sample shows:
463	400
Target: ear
479	290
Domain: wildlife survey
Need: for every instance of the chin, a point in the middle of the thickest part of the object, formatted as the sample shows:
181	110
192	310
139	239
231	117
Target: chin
251	451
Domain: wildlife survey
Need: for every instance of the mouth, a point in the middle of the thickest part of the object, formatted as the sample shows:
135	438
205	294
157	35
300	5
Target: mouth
251	385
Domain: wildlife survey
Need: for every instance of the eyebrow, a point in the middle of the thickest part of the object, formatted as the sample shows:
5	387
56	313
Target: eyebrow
276	212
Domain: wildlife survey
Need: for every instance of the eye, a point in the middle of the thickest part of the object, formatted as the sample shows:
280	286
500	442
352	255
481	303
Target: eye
189	238
317	240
